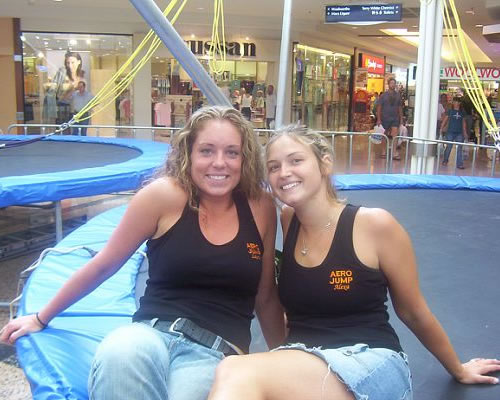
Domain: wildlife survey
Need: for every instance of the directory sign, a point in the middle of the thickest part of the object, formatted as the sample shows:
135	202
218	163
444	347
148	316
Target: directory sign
364	13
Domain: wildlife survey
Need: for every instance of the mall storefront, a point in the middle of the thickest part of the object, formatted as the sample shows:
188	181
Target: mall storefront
54	64
250	65
320	88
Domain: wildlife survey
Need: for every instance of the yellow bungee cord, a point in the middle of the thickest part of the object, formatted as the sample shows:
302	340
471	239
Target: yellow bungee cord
217	47
469	76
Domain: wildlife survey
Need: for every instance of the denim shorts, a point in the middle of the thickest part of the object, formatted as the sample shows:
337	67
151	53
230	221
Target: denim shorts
370	374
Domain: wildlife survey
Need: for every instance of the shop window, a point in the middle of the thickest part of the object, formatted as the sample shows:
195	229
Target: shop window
54	64
320	88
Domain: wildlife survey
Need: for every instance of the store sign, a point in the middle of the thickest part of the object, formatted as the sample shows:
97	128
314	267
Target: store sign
201	48
363	13
484	74
374	65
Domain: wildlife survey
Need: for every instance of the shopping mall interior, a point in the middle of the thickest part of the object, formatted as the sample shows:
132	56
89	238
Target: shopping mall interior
331	73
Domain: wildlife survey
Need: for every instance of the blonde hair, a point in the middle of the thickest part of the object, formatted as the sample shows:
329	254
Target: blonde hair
178	163
315	141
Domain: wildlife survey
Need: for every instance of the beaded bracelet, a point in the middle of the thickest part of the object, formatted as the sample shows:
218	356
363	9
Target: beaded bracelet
44	325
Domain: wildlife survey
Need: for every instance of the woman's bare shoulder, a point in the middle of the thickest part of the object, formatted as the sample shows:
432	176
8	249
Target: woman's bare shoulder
164	193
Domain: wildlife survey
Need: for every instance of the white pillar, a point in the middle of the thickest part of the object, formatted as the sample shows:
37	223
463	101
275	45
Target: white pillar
283	68
427	82
141	103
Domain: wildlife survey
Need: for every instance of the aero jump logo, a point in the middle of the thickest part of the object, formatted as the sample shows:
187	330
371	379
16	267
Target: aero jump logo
254	251
341	279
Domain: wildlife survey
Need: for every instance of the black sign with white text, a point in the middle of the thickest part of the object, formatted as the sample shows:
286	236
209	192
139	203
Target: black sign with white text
364	13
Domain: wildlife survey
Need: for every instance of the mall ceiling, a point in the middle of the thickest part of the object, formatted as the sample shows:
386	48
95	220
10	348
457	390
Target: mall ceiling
255	19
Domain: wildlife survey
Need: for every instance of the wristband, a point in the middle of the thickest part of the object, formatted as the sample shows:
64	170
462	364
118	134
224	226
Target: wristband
44	325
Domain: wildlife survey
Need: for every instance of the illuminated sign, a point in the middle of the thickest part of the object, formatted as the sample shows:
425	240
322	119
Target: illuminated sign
484	74
364	13
374	65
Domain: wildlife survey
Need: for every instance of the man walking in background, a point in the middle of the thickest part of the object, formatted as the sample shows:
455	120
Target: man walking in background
79	99
390	114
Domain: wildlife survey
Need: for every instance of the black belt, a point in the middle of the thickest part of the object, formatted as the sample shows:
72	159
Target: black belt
196	334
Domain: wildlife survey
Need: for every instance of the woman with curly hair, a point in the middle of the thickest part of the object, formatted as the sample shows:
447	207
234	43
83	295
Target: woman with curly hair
210	229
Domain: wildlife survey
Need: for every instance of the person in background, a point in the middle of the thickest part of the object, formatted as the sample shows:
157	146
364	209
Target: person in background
456	131
270	106
79	100
246	104
339	262
390	114
442	106
236	99
198	305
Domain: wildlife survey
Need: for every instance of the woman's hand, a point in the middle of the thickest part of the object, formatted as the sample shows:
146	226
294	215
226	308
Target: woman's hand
474	371
19	327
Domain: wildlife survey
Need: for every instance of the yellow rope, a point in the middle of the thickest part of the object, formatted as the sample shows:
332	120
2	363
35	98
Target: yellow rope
217	48
468	76
110	91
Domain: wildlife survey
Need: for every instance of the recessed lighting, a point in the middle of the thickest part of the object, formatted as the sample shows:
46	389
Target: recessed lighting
40	55
471	12
247	38
73	42
57	1
479	25
200	8
89	41
38	37
414	26
193	36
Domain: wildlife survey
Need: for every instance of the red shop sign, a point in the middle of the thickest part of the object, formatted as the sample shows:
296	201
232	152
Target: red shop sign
373	64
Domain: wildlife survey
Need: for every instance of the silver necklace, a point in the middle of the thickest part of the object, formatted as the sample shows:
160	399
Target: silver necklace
305	249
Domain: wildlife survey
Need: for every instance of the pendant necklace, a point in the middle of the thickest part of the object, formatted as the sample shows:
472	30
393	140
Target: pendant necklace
305	249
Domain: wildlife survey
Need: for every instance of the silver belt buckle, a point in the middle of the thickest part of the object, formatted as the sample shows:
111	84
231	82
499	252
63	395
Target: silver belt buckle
172	327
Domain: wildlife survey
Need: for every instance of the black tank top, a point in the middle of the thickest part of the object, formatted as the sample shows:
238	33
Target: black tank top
213	285
339	303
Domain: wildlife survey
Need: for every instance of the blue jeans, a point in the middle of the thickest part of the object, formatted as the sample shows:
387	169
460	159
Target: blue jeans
83	130
138	362
454	137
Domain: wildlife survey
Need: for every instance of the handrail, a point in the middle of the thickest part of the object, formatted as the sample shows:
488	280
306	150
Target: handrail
440	145
265	133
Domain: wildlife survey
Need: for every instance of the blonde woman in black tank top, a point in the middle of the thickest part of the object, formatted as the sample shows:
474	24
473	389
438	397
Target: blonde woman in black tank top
211	230
339	261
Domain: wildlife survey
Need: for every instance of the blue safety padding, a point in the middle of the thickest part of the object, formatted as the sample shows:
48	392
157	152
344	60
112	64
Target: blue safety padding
57	359
128	175
401	181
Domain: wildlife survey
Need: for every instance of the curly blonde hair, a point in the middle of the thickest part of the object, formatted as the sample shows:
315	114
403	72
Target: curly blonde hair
178	163
315	141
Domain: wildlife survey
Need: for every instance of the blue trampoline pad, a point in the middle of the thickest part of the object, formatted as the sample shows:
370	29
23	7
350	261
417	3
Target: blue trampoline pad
62	167
54	156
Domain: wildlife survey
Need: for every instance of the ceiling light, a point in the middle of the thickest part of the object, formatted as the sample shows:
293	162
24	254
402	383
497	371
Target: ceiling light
57	1
89	41
479	25
414	26
40	55
471	12
73	42
200	8
38	37
23	38
193	36
247	38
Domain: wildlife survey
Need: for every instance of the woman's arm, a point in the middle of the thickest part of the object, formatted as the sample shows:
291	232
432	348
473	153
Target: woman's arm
139	222
397	261
267	305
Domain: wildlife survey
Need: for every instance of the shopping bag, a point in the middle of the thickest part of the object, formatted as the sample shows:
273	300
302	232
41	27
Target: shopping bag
377	136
